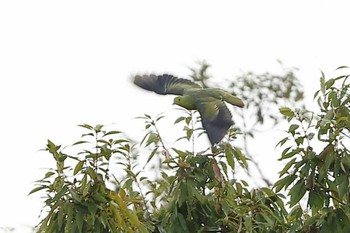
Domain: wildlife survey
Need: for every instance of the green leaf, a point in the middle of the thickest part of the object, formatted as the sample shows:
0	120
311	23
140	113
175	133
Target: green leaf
322	82
84	188
299	141
312	220
98	128
240	157
229	157
329	83
342	67
78	167
297	192
154	151
128	183
179	119
343	182
152	138
248	223
60	218
79	220
287	112
316	93
334	99
79	142
49	174
91	172
37	189
282	142
75	195
62	157
189	133
100	197
284	182
181	153
292	153
224	167
245	183
182	222
292	128
239	188
159	118
315	201
88	134
86	126
184	194
268	192
287	166
310	136
111	133
188	120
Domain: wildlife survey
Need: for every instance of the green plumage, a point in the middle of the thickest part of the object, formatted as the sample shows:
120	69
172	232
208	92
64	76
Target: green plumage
215	116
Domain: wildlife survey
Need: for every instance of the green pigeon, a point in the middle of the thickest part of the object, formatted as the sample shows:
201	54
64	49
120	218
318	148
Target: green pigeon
210	102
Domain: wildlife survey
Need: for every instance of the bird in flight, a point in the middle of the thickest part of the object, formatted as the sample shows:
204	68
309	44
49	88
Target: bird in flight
210	102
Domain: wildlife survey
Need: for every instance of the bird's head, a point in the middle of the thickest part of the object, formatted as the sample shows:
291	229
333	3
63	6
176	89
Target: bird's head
185	102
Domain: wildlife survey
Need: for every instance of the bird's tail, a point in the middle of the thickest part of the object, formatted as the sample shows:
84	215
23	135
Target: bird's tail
234	100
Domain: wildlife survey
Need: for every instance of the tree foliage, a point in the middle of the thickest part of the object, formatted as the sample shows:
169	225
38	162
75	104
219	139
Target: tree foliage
109	183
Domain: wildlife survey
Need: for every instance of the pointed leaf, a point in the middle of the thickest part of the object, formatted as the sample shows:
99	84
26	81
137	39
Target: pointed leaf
297	192
78	167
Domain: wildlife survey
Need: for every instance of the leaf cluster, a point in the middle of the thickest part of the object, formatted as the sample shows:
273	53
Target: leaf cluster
109	183
321	178
77	195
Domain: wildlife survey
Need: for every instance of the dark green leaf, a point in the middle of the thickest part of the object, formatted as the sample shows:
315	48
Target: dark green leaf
292	128
299	141
80	142
111	132
281	143
284	182
154	151
240	157
159	118
182	223
287	166
342	67
37	189
100	197
343	182
292	153
297	192
179	119
79	220
86	126
315	201
229	157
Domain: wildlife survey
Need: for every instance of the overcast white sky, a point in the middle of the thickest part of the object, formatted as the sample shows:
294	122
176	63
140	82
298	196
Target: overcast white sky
64	63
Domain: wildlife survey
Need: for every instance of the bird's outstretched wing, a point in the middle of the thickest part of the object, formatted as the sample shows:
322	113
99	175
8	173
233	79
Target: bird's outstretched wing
216	118
164	84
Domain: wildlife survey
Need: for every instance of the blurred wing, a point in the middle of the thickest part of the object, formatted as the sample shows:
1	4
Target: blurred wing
216	118
164	84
